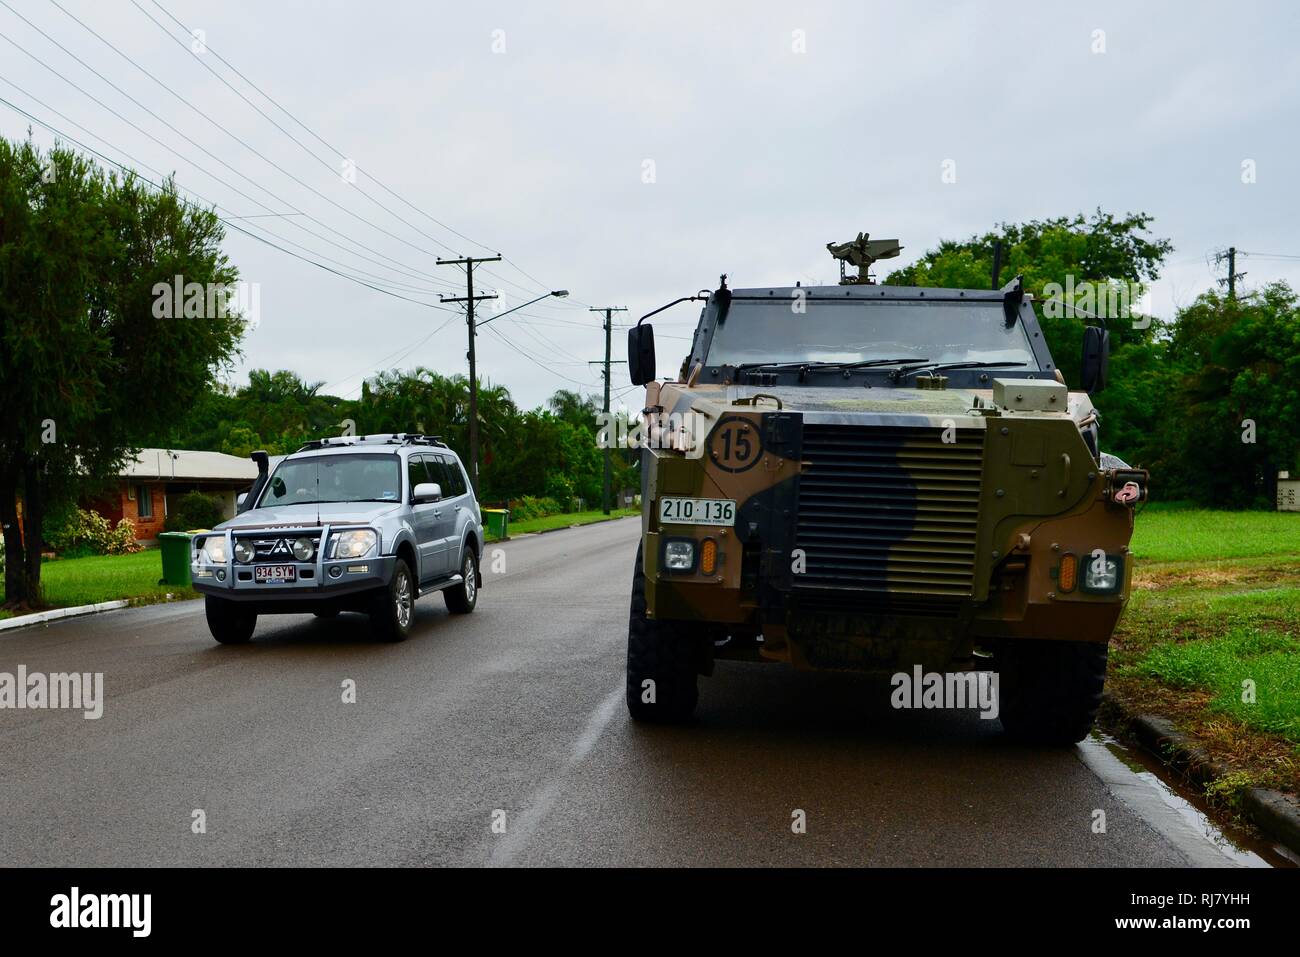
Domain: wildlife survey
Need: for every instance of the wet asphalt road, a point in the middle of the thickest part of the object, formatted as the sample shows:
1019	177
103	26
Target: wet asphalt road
518	708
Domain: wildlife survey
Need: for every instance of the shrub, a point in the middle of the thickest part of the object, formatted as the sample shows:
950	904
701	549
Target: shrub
560	489
530	507
194	510
84	531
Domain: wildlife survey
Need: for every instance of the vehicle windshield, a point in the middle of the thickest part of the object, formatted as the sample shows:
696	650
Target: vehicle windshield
334	478
857	331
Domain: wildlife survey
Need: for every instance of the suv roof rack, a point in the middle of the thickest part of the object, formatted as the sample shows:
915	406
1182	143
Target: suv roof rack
381	438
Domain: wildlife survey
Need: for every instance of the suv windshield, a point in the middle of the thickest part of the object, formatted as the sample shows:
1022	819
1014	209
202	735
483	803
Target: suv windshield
857	330
335	478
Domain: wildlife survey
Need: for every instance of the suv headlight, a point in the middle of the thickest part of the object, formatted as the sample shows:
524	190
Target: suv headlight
213	550
356	543
244	551
1103	574
303	549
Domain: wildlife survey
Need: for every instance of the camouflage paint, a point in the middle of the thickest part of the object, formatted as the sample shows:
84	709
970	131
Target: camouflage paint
965	536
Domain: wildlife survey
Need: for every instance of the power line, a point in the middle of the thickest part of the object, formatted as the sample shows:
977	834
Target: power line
1269	255
162	176
141	130
310	152
410	270
310	131
538	362
388	360
261	239
178	132
225	219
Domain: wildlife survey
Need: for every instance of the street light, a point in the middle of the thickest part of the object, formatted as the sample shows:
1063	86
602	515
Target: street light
557	293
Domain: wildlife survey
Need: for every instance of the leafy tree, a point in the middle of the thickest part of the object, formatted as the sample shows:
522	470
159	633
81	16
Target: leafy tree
1097	252
1234	411
88	366
241	441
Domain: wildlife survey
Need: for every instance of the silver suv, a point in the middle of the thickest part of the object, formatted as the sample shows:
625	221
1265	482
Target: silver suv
365	524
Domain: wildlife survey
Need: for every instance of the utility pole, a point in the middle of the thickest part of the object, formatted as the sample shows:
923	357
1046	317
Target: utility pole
609	326
469	299
1233	275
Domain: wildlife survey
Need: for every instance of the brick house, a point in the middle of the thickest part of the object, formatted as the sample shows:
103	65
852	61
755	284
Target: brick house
150	485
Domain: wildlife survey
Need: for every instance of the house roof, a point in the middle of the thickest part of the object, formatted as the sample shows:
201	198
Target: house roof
190	466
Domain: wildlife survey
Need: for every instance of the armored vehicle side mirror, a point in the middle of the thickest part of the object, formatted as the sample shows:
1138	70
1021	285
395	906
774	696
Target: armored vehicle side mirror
426	492
1096	358
641	354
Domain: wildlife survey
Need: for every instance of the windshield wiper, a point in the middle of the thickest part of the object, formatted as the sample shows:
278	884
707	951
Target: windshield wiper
822	365
898	374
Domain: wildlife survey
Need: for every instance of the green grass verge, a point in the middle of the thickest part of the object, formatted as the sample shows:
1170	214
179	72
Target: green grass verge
1252	674
1215	604
1166	535
84	581
565	520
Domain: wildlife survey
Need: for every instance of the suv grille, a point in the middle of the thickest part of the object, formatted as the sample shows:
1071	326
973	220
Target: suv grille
278	549
889	510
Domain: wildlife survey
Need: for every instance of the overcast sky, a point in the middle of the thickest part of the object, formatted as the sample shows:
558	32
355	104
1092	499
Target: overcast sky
765	130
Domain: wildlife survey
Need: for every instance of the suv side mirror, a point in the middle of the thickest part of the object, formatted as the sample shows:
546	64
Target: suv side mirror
641	354
1096	358
426	492
239	502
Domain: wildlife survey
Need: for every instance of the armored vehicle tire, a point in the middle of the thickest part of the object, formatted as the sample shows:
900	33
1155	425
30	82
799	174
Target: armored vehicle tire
228	623
1050	690
462	598
392	609
661	663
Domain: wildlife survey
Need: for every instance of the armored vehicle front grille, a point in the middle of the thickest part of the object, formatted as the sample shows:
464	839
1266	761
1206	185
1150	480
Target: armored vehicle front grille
892	510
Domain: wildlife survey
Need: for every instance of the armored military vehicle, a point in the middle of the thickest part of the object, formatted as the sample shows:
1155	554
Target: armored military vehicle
878	478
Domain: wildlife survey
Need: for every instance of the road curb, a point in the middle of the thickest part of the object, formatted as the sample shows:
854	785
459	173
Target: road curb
1275	814
41	617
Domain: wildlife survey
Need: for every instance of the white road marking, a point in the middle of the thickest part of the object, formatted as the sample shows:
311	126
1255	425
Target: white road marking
538	804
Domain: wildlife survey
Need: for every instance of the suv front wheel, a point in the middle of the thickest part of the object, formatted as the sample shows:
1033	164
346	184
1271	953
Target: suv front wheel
229	623
393	608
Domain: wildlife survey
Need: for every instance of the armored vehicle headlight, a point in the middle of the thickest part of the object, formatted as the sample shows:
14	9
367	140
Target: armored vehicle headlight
214	550
302	549
679	555
353	544
1103	573
243	551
